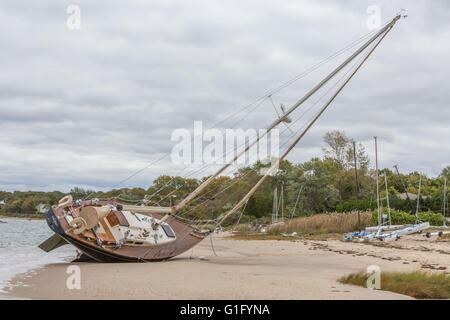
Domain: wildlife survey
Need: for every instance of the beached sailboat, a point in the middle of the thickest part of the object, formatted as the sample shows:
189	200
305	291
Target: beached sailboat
112	231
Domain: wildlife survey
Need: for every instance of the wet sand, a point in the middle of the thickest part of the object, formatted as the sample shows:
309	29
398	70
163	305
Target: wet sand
256	269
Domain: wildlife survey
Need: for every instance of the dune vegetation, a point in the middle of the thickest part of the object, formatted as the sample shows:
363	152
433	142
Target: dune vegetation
417	284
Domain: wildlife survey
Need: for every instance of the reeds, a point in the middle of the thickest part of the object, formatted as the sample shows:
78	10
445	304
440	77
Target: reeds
325	223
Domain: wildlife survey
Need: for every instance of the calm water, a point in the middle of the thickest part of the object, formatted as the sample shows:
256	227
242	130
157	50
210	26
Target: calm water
18	247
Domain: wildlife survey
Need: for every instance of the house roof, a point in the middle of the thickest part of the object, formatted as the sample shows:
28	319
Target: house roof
412	196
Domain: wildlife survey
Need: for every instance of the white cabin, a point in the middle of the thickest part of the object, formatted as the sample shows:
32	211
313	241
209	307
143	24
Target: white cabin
42	208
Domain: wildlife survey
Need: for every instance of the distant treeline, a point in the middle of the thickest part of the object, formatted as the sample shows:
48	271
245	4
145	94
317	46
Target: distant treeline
319	185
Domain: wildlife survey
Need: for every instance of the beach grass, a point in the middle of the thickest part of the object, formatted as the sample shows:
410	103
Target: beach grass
445	237
27	216
417	284
325	223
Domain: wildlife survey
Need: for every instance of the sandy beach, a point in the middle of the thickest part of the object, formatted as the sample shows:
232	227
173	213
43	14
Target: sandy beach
242	269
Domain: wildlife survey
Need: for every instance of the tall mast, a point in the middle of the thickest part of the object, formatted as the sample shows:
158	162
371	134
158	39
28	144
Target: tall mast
387	199
418	197
192	195
356	186
275	205
296	202
445	203
282	202
404	187
378	187
275	165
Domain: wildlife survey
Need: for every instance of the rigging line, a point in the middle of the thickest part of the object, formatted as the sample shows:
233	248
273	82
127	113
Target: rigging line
204	193
279	204
239	220
164	187
275	108
235	168
193	220
241	178
312	68
218	193
320	99
204	167
296	202
127	200
317	65
212	244
339	52
270	92
161	158
137	200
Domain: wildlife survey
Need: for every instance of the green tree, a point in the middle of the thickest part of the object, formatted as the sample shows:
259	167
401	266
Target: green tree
339	152
13	206
445	173
80	193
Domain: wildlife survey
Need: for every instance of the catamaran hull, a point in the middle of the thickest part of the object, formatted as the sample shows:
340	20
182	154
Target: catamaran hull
186	238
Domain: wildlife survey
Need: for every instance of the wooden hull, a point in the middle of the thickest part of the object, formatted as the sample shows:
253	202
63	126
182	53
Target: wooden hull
186	238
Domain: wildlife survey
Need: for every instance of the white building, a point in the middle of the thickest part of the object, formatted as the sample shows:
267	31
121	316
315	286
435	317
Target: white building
412	196
42	208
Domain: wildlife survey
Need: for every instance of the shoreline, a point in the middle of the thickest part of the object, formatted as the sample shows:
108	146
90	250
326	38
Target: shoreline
19	251
242	269
21	217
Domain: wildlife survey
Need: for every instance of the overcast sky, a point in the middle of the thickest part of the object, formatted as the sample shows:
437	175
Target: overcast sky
89	107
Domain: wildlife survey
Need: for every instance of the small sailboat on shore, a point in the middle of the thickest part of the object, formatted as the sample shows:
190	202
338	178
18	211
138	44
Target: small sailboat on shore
379	233
113	231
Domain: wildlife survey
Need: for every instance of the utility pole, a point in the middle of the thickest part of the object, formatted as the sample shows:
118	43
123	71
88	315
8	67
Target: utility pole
357	187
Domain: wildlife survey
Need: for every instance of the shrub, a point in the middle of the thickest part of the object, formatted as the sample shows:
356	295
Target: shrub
350	205
401	217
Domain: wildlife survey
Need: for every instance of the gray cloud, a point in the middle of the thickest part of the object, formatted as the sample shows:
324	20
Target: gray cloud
91	106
